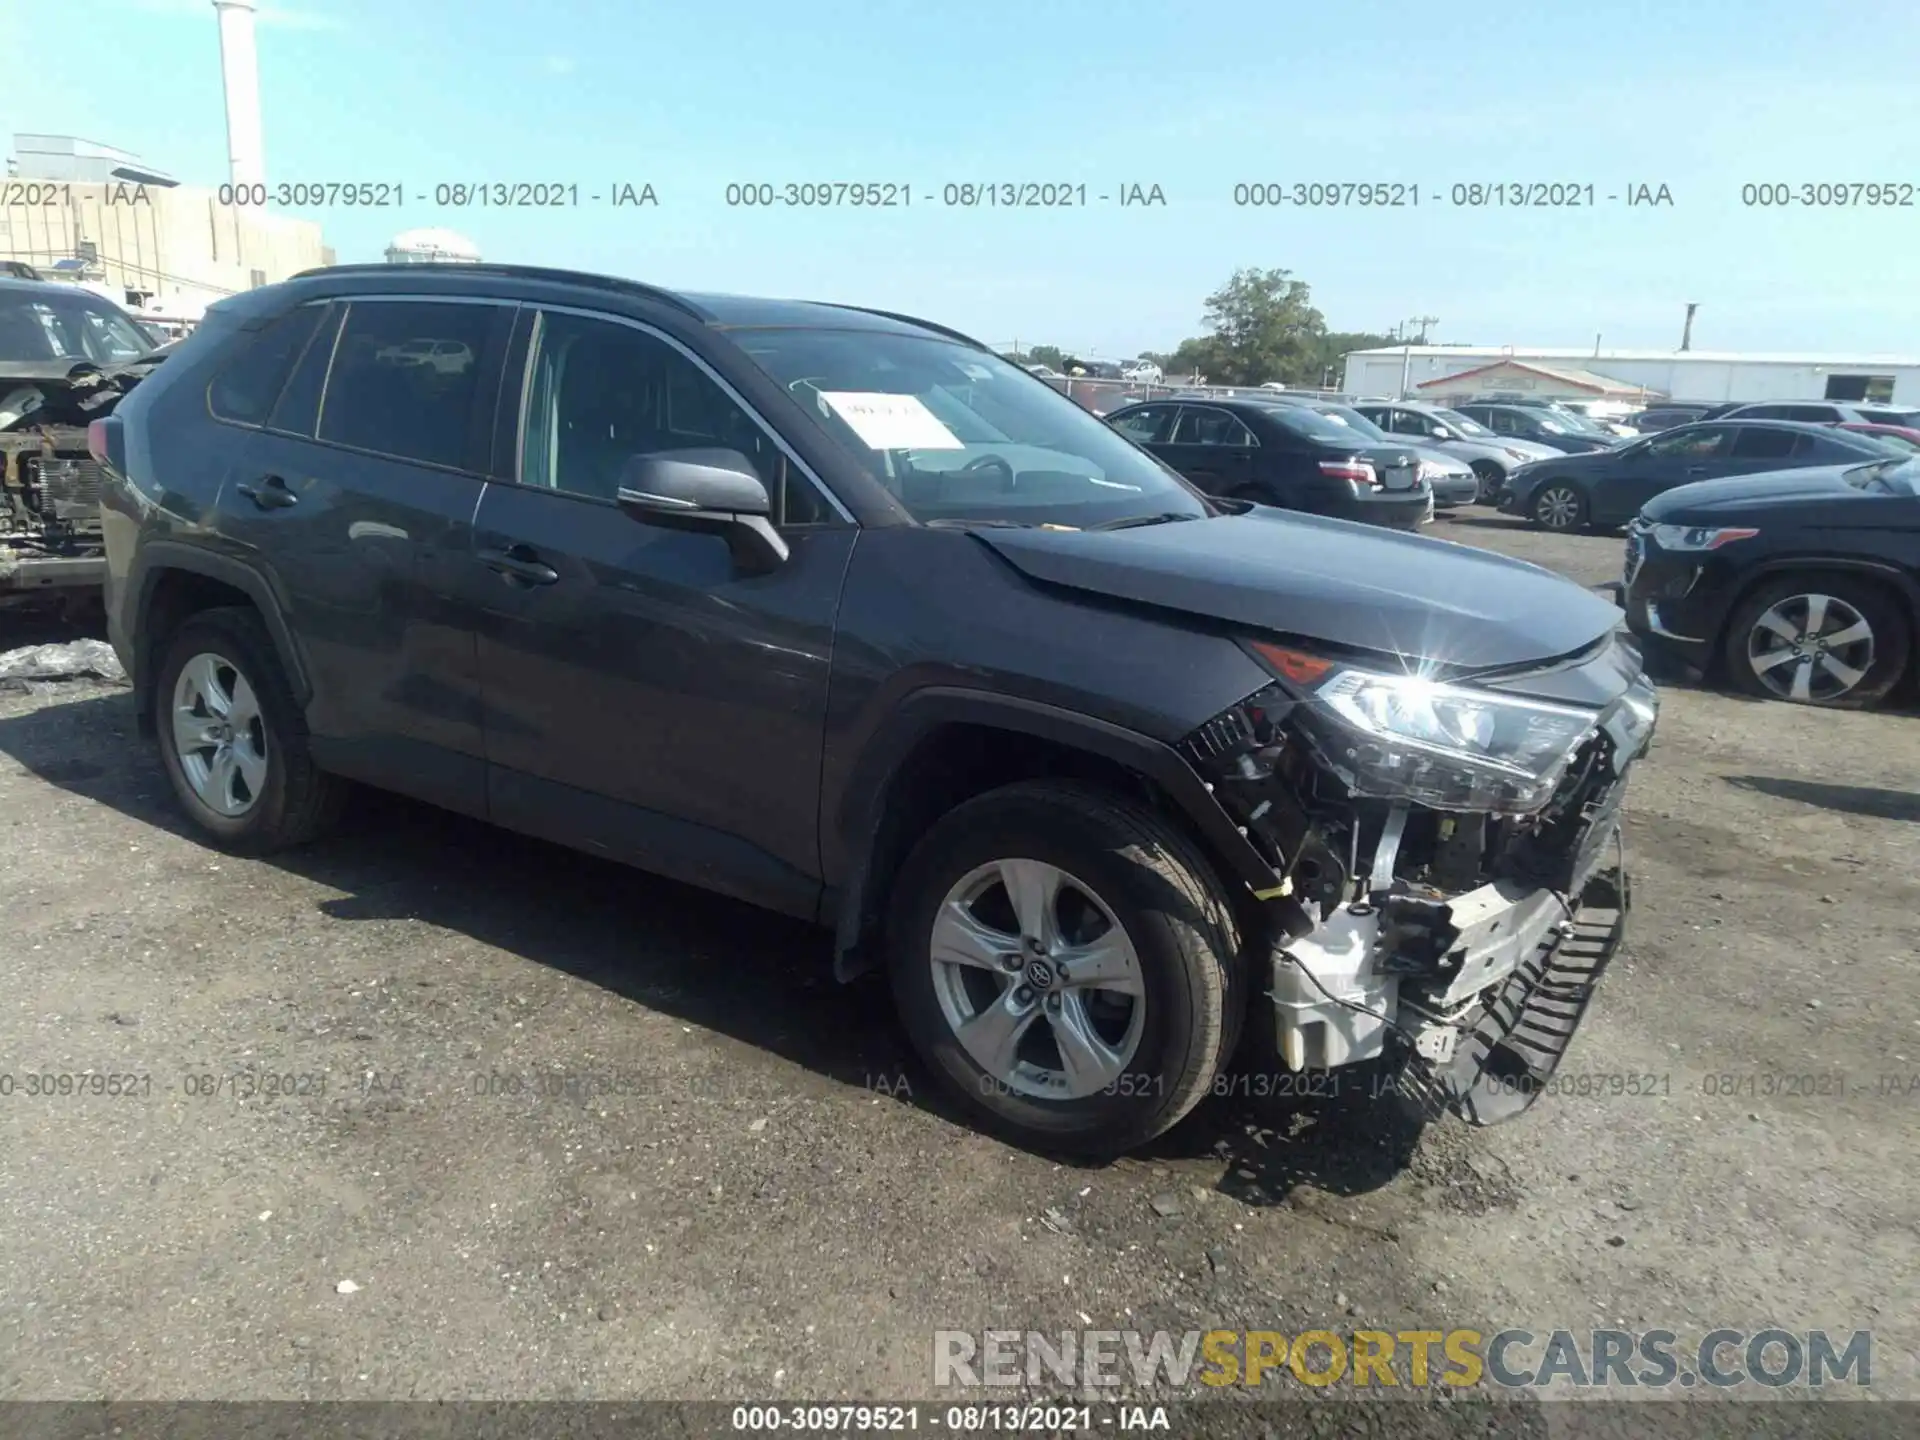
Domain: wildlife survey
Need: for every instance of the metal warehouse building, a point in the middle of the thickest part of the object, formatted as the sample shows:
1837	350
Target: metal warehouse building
1451	372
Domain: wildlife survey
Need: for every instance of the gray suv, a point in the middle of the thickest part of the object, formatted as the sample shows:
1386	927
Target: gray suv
840	613
1492	458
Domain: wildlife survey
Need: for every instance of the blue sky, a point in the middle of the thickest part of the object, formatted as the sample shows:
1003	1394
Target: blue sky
1699	95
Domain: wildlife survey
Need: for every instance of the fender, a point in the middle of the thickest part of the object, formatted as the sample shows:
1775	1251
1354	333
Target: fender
157	557
864	802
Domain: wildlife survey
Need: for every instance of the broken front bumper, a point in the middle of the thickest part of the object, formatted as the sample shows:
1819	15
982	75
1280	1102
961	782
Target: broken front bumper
1479	1022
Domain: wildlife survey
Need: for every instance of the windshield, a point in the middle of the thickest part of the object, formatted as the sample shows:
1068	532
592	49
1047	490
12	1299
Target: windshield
1579	423
959	434
1454	420
44	326
1897	475
1354	420
1890	417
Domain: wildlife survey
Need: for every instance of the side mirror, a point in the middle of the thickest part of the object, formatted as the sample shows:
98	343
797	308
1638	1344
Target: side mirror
711	492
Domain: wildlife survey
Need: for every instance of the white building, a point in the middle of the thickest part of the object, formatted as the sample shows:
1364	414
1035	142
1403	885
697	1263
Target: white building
431	245
1450	372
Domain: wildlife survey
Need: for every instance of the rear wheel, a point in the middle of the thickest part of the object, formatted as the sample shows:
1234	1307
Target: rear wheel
232	739
1558	506
1068	965
1815	639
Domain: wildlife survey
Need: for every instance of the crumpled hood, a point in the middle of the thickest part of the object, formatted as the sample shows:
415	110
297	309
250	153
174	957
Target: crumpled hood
1344	583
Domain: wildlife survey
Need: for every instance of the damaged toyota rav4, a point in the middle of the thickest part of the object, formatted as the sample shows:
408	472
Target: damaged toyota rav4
839	613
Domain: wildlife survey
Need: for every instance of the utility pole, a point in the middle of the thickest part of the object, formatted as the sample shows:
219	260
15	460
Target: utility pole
1686	333
1406	350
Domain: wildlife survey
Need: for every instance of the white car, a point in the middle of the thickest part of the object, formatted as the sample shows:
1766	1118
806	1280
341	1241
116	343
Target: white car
449	357
1146	373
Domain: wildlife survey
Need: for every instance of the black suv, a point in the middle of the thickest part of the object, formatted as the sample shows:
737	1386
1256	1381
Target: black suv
840	613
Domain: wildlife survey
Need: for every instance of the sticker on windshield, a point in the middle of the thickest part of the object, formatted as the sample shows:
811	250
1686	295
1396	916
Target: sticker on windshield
891	422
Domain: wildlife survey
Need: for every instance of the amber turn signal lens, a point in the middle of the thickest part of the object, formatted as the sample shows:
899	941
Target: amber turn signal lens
1294	665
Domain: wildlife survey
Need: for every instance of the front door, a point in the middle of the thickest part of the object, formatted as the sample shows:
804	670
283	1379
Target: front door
645	697
1674	457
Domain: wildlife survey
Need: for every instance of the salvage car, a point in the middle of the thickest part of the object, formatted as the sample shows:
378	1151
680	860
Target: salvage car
1799	585
1607	489
1451	480
1558	430
67	357
1280	453
838	612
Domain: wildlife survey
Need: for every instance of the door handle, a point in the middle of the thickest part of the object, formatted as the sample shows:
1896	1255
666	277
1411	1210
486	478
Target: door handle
518	563
270	494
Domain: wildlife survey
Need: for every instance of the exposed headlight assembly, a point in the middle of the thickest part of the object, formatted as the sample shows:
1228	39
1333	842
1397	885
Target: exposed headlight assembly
1685	538
1449	747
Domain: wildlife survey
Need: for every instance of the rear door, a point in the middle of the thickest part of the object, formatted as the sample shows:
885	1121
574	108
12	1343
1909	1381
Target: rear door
1213	448
1763	447
646	697
357	499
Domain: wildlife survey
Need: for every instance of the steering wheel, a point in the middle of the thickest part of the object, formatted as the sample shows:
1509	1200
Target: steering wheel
991	462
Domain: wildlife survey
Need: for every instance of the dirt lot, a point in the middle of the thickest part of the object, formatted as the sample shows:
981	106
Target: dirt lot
770	1203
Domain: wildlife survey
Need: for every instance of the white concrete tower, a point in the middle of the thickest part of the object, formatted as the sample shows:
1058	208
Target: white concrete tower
240	78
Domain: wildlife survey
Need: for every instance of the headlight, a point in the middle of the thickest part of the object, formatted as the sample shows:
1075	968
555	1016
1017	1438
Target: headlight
1450	747
1698	537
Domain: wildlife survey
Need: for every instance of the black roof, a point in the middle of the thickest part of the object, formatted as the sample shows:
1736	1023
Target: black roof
720	311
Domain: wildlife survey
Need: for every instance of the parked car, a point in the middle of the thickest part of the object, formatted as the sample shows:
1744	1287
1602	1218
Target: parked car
1608	488
1826	412
1570	435
838	612
67	356
1282	455
1491	457
1904	438
1800	585
1143	372
1045	372
1452	480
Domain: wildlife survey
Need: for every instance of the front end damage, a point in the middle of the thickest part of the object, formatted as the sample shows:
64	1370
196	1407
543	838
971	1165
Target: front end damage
1453	869
50	545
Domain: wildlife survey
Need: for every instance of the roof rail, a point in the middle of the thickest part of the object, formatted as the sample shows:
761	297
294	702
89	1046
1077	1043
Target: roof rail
524	272
913	320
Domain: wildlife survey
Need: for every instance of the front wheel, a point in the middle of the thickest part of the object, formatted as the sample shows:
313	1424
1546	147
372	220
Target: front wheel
1489	478
1814	639
1558	506
1068	965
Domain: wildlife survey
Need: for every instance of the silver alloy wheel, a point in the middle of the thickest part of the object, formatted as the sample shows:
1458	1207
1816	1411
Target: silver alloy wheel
1038	979
219	735
1557	507
1810	647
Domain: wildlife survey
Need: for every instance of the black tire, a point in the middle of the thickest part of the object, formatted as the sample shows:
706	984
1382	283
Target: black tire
1558	505
297	801
1175	912
1490	477
1889	647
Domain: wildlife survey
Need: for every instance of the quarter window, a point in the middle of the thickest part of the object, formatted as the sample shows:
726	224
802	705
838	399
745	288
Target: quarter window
394	390
245	390
603	393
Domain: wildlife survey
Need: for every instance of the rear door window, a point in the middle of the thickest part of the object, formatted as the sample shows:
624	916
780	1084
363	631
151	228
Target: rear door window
394	391
1203	425
1759	442
1150	424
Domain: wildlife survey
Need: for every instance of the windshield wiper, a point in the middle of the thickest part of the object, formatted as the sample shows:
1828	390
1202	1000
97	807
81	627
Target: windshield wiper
1132	522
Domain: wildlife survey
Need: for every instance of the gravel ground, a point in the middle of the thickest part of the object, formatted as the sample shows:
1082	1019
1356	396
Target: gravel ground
763	1199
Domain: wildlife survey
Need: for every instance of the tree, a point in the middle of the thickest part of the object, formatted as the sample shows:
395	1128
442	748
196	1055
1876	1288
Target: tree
1264	327
1049	355
1332	350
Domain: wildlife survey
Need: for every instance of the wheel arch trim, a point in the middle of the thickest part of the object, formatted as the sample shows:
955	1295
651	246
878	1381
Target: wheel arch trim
154	561
1895	577
858	816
